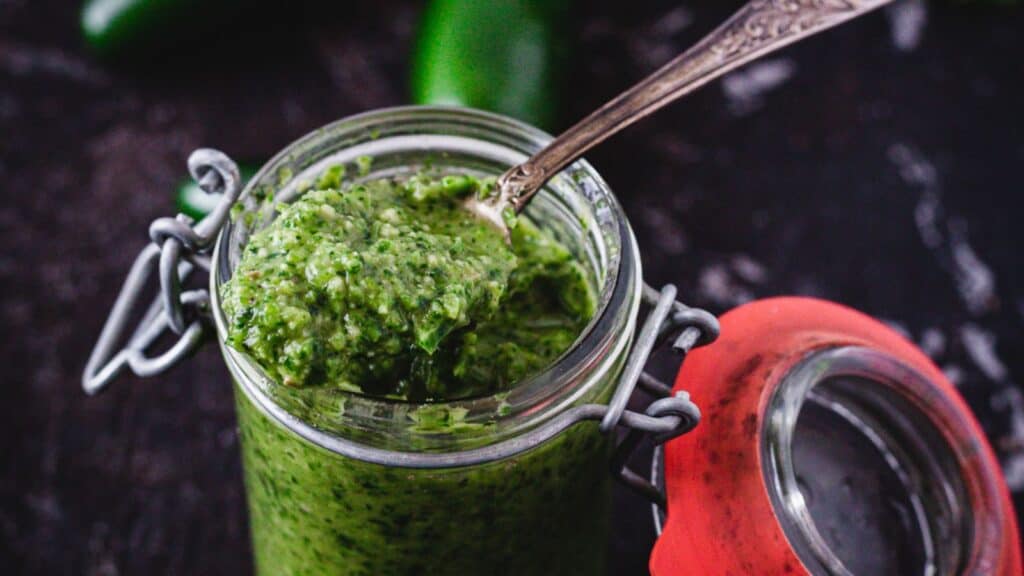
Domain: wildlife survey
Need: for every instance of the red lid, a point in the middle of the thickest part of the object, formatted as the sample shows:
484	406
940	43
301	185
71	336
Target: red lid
720	516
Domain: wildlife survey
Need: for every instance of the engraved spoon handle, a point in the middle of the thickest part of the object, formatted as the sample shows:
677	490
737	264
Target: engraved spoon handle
758	28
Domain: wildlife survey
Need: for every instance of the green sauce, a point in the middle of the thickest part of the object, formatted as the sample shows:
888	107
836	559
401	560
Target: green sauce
390	288
313	512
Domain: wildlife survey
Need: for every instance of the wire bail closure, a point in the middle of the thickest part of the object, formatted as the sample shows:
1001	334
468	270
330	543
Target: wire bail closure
670	415
178	248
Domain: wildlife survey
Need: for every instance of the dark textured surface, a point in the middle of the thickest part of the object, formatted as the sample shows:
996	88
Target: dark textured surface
883	172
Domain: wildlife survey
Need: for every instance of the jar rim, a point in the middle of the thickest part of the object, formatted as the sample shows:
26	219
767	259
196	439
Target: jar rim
894	407
544	395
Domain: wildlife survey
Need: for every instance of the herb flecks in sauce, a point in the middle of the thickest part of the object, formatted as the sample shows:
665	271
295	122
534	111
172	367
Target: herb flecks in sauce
390	288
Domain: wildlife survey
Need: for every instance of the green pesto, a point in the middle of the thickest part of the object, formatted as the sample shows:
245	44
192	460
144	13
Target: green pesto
314	512
390	288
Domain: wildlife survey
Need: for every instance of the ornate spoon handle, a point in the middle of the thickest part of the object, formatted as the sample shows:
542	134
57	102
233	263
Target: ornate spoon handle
758	28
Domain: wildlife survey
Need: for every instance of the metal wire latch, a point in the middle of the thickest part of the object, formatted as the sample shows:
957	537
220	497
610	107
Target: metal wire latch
178	248
670	415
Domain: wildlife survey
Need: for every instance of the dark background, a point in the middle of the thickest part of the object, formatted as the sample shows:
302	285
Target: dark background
883	171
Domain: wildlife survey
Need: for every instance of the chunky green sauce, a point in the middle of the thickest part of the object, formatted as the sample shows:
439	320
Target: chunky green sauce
390	288
312	512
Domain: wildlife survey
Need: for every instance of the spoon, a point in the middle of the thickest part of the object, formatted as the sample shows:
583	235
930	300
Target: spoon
760	27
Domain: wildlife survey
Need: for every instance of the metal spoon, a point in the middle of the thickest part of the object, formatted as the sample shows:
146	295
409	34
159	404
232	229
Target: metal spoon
760	27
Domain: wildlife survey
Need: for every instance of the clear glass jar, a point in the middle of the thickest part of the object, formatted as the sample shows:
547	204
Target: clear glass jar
912	486
341	483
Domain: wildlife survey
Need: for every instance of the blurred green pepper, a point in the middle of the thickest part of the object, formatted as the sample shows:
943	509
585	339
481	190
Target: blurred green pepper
501	55
193	202
110	26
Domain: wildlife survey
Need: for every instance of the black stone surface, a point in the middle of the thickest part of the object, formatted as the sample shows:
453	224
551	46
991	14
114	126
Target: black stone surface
883	171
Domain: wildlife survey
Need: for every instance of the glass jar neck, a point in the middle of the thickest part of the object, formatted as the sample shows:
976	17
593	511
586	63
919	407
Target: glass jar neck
857	455
576	207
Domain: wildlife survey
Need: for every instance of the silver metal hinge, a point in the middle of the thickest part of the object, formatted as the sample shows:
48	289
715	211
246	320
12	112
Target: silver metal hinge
178	248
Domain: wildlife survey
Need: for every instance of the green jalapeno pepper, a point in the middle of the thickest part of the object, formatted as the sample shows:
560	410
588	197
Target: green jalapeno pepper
112	25
501	55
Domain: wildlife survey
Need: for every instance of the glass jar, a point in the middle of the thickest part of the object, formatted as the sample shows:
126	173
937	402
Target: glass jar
342	483
835	448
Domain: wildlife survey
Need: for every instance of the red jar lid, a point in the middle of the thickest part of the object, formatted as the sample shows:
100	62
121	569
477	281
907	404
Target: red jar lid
725	516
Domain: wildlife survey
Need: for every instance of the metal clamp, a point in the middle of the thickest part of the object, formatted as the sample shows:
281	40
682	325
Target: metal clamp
178	248
670	415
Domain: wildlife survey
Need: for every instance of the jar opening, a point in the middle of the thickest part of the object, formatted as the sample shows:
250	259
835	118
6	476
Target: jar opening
854	463
576	207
